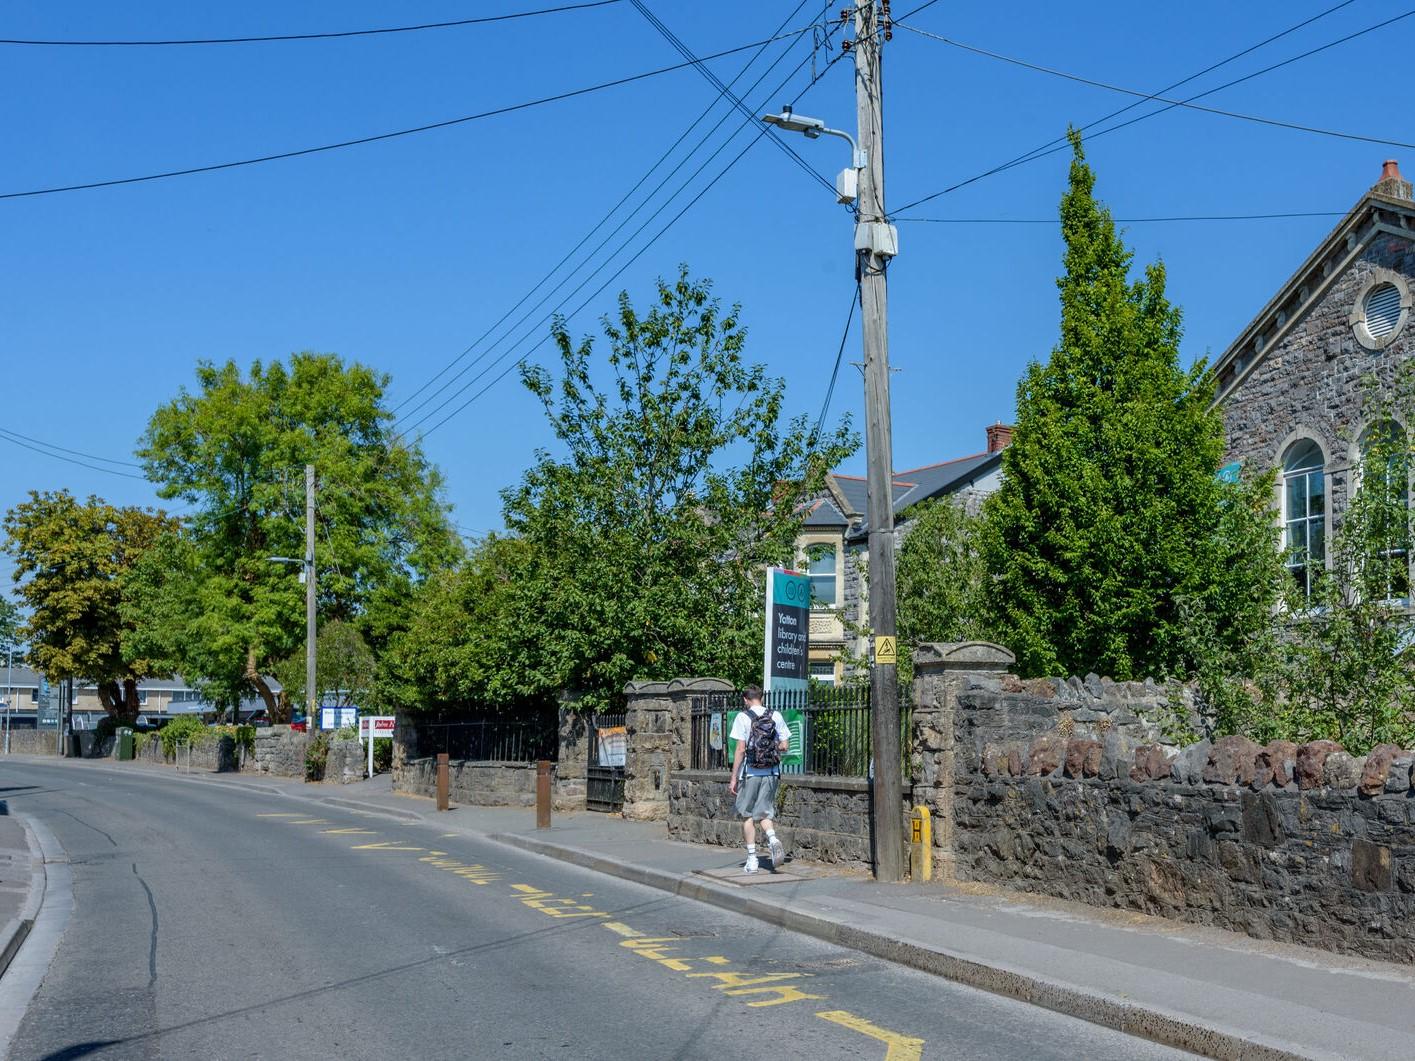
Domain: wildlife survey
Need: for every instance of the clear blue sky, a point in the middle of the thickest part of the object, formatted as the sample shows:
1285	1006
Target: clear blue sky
401	253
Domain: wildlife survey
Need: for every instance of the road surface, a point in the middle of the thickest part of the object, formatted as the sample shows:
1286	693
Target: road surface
215	921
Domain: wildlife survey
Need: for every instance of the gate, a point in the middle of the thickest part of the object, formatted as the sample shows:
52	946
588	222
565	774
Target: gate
604	776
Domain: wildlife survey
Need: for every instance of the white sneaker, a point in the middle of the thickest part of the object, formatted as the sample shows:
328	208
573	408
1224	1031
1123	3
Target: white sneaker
778	854
750	866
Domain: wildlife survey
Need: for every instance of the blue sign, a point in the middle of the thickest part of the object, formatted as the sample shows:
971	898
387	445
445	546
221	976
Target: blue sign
47	711
1229	472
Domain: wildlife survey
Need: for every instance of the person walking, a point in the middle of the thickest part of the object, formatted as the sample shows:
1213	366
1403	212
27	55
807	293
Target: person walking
762	739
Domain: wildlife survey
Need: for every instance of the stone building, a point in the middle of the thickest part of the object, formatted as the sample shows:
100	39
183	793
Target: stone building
833	544
1291	385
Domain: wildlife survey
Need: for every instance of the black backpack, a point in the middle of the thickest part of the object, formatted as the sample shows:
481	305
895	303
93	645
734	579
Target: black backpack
762	749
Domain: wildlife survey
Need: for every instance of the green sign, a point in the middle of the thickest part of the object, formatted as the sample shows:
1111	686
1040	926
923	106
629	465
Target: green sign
795	719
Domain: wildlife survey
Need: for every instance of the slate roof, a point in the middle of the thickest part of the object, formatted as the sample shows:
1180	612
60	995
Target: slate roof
824	513
913	485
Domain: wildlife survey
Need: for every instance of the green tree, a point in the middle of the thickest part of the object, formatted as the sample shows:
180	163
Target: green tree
941	577
463	641
74	562
344	668
1343	665
1111	523
11	625
234	449
679	481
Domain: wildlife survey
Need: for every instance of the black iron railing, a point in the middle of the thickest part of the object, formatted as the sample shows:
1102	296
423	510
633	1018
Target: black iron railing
506	740
830	729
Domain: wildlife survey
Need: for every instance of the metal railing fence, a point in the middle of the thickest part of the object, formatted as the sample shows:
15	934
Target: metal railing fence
506	740
830	729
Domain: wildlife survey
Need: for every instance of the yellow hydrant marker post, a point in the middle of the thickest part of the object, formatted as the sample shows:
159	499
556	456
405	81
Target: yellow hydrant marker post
921	842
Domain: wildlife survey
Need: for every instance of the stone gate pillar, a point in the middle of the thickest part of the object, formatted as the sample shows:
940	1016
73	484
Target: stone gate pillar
941	673
648	720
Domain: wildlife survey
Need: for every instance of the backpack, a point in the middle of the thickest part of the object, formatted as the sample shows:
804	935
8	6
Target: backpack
762	750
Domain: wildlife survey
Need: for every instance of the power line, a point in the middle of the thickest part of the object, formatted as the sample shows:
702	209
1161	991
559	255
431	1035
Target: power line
1259	119
1117	220
429	413
8	437
75	452
835	372
495	112
605	220
1060	143
310	36
724	90
639	253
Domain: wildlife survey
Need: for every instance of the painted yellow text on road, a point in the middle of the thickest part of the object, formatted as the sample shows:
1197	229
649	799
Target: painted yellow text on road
898	1047
552	905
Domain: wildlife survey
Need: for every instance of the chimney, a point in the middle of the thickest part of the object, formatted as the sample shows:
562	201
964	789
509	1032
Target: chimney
1392	184
1000	434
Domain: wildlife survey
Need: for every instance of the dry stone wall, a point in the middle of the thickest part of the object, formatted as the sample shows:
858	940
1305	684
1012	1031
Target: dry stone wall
1068	789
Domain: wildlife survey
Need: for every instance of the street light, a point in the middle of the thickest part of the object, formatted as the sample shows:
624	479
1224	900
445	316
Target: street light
847	181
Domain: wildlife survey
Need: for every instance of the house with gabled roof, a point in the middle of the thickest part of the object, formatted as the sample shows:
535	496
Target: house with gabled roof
1290	386
832	546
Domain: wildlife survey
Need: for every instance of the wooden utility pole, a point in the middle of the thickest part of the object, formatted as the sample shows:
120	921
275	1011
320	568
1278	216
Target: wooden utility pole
311	628
875	245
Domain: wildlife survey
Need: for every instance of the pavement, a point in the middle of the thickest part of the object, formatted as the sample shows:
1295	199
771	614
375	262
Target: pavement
21	884
1202	990
203	918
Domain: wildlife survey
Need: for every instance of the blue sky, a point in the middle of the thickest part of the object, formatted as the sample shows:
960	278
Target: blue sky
400	253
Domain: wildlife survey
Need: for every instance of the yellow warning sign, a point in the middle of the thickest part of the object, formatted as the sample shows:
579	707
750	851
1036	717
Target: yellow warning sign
885	650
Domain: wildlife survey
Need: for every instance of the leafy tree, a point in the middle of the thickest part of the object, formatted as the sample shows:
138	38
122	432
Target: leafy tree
11	625
1342	658
344	668
74	562
941	578
234	449
459	642
1111	530
644	543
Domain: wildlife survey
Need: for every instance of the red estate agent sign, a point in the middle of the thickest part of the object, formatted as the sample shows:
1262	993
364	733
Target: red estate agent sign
377	726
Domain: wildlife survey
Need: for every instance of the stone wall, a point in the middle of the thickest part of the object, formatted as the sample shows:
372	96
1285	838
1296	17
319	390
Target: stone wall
416	774
1067	789
280	752
472	784
32	742
347	761
823	819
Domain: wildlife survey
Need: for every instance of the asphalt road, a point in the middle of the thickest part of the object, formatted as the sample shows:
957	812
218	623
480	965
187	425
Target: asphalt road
217	922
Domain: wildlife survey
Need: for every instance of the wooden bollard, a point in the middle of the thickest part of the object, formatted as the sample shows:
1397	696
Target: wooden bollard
543	793
443	781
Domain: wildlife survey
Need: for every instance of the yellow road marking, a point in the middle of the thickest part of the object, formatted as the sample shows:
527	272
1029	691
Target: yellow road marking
384	845
446	835
310	821
622	929
279	814
350	832
900	1047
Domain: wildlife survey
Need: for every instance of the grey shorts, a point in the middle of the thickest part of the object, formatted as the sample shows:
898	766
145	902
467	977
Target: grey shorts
756	796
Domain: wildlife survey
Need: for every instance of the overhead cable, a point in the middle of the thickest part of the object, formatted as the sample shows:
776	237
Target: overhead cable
16	440
494	112
1117	220
642	250
606	218
1059	143
308	36
427	413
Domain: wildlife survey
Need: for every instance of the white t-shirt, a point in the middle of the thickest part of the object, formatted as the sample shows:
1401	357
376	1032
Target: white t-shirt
742	729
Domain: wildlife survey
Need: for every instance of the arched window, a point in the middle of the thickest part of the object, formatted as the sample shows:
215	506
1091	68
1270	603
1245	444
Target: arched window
1304	512
820	566
1383	510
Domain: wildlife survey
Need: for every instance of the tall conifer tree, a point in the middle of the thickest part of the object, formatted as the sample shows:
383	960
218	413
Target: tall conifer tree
1112	539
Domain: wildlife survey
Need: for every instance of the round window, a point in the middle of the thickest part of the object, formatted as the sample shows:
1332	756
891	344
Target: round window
1381	310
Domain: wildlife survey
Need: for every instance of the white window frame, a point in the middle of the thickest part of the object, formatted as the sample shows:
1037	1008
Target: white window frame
1308	472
